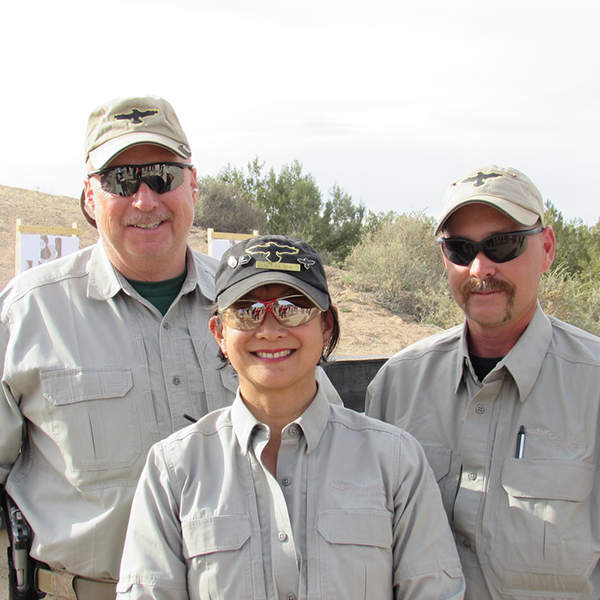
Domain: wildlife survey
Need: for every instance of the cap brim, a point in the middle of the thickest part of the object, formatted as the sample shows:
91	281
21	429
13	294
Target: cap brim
517	213
241	288
102	155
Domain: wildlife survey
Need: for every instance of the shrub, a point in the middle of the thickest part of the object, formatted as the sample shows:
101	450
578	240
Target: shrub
571	298
400	263
223	207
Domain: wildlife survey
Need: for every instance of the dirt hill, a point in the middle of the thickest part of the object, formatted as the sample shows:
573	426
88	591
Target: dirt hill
367	328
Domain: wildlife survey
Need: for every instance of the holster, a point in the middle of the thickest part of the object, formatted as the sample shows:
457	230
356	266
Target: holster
20	566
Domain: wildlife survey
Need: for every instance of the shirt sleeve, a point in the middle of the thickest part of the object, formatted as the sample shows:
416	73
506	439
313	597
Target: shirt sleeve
12	423
153	566
426	563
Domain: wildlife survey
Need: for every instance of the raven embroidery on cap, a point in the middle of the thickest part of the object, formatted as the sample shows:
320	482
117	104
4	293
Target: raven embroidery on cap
136	116
479	179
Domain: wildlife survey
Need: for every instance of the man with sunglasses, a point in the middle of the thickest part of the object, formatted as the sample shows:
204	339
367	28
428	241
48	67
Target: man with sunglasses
105	353
506	406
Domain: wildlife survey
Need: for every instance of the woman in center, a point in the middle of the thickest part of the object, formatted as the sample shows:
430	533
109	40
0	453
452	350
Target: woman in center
285	495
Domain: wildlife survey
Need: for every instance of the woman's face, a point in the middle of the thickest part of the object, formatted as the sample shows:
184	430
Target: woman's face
274	357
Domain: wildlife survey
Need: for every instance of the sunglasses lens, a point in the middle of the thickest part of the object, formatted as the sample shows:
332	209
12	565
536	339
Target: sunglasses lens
248	318
290	315
125	180
459	252
502	248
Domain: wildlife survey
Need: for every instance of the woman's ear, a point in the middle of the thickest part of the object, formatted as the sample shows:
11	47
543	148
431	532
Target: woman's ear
328	325
216	328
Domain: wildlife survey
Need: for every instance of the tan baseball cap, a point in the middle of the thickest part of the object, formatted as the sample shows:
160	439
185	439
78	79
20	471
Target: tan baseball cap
504	188
125	122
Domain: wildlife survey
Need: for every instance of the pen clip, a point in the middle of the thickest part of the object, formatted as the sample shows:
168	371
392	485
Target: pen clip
520	442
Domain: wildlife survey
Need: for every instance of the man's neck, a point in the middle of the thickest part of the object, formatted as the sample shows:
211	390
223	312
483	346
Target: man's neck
491	342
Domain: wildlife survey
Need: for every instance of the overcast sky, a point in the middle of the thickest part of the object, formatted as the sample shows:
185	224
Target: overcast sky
389	99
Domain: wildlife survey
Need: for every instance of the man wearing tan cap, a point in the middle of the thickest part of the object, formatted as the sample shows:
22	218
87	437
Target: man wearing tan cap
106	351
506	406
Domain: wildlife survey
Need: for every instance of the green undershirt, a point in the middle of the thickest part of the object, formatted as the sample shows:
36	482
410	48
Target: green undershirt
160	293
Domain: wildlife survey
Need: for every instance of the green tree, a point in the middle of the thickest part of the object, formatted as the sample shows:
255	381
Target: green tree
341	225
225	206
292	202
577	244
293	205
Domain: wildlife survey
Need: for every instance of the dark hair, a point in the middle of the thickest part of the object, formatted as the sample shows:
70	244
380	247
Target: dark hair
329	347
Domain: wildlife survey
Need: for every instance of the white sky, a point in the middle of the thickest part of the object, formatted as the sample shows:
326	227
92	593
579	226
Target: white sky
392	100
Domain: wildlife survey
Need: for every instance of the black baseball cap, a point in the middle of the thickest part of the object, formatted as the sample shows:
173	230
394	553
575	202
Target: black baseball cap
269	259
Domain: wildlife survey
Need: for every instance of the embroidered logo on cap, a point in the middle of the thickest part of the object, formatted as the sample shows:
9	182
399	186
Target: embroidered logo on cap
136	116
479	179
307	262
275	256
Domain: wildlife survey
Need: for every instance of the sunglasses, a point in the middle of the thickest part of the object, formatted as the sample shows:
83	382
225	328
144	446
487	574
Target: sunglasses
124	180
500	247
248	315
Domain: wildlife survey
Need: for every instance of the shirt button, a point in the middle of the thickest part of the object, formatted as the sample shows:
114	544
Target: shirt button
176	381
480	409
282	535
291	596
472	475
286	481
166	325
294	431
466	543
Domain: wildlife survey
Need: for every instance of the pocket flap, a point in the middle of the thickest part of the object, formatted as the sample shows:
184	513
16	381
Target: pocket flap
439	460
548	479
68	386
214	534
359	527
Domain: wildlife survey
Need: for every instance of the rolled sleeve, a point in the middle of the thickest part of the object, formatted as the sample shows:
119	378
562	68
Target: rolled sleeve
426	563
153	565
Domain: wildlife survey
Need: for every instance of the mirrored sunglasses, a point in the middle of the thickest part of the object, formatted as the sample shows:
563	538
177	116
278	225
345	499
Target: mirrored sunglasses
124	180
249	314
500	247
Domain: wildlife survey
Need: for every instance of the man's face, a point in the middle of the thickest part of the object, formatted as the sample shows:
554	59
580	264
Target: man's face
497	295
145	234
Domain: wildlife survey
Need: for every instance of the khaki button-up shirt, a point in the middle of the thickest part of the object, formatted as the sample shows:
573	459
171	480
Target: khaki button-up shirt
93	375
525	527
353	513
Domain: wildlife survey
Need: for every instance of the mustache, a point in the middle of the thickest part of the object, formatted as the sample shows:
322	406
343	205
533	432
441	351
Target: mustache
148	218
489	284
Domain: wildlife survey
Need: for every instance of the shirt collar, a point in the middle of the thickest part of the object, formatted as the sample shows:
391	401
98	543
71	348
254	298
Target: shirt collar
312	421
523	362
462	359
105	281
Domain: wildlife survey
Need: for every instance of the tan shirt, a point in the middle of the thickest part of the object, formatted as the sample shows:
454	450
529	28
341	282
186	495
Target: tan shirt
93	376
529	527
353	513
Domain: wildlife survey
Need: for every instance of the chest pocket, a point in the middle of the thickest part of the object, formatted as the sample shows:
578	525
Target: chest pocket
217	552
93	420
440	460
543	527
355	552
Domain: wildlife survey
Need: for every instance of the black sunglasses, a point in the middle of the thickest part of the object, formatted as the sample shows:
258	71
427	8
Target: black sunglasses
124	180
500	247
